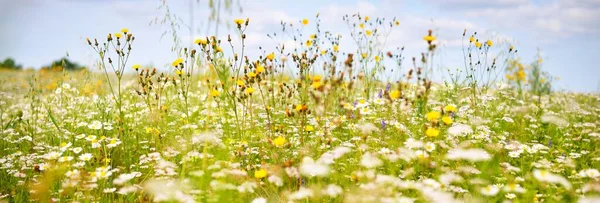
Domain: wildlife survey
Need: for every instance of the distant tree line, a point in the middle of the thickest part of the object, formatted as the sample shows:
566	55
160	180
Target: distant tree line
60	64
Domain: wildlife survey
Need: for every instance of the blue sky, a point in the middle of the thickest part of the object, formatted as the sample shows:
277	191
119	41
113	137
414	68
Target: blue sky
36	32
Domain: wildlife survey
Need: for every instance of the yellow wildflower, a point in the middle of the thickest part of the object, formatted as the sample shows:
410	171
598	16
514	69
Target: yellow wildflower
336	48
249	90
305	21
214	93
364	55
260	173
200	41
367	18
309	128
433	116
450	108
447	120
397	23
395	94
432	132
279	141
136	66
317	84
239	21
377	58
361	26
429	38
179	72
471	39
369	32
251	74
125	30
177	62
271	56
240	83
260	68
489	43
309	43
118	35
477	44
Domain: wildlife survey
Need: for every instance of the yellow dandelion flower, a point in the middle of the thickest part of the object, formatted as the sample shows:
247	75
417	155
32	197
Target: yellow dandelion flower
251	74
279	141
450	108
429	38
260	173
313	36
336	48
433	116
260	68
317	84
317	78
397	23
177	62
118	35
323	52
271	56
367	18
214	93
305	21
179	72
447	120
471	39
361	26
240	83
364	55
125	30
489	43
239	21
309	128
395	94
477	44
377	58
369	32
432	132
249	90
219	49
136	66
200	41
309	43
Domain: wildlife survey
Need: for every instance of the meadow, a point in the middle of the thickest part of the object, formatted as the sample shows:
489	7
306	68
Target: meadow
303	124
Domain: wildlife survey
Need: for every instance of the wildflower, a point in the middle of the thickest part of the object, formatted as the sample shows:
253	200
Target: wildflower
513	187
364	55
361	26
279	141
370	160
249	90
489	43
309	43
336	48
239	21
177	62
302	193
85	157
429	38
430	146
118	35
200	41
95	125
369	32
179	72
590	173
332	190
123	178
468	154
252	74
432	132
214	93
397	23
310	168
433	116
259	200
271	56
556	120
309	128
471	39
459	130
477	44
124	30
317	84
490	190
367	18
377	59
136	67
305	21
510	48
395	94
275	180
450	108
546	176
240	83
261	173
447	120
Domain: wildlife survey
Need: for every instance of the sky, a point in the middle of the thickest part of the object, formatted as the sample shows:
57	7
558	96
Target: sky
567	32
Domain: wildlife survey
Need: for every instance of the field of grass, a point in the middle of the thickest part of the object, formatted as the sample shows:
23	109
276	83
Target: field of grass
311	124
